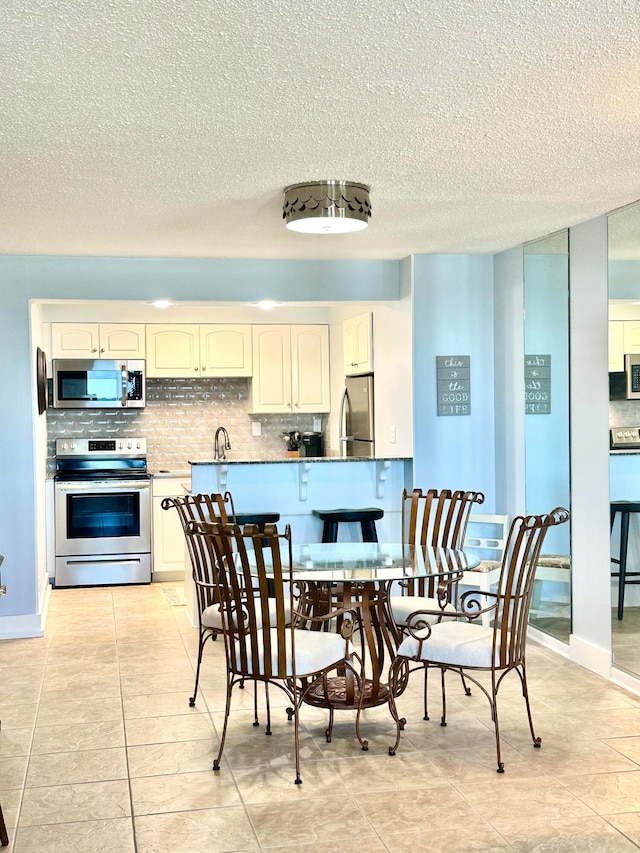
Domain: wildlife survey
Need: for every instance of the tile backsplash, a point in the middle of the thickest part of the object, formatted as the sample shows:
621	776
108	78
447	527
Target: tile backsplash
624	413
180	420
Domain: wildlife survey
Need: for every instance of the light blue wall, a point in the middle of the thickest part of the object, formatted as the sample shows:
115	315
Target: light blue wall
453	315
196	280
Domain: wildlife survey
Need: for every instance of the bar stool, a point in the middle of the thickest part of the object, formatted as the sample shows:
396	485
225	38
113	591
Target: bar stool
259	518
332	518
625	508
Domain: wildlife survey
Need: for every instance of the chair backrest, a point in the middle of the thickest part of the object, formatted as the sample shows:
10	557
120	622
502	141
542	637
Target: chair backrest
515	586
190	508
487	535
255	626
438	519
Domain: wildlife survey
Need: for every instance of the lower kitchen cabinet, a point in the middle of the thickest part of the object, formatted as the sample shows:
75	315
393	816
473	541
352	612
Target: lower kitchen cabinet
169	549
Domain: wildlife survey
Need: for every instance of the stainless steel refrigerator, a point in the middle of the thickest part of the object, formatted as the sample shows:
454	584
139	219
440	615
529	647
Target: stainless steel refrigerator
356	417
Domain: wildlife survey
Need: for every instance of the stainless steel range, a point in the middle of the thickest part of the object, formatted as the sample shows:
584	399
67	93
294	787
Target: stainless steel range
102	512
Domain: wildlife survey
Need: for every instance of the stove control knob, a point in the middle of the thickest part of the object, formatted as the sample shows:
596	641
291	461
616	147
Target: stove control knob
120	445
128	445
64	445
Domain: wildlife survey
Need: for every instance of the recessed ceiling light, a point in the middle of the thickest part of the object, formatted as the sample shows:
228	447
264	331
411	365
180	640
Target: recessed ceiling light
266	304
162	303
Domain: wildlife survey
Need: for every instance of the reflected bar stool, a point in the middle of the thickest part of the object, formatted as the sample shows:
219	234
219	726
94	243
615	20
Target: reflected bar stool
259	518
625	508
367	517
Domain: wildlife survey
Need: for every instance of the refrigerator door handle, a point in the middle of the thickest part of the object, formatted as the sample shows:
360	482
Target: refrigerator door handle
343	404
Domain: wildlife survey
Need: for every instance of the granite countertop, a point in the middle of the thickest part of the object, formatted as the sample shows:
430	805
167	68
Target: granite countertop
298	460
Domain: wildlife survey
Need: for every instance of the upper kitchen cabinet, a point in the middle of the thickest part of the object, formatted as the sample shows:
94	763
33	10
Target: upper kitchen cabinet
631	336
97	340
616	346
290	369
225	350
209	350
357	343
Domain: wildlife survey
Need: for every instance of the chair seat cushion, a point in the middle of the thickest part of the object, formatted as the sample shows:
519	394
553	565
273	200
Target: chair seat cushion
455	643
211	617
554	561
402	606
487	566
315	651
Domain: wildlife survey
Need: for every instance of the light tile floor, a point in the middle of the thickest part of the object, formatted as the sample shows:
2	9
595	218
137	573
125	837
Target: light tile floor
99	751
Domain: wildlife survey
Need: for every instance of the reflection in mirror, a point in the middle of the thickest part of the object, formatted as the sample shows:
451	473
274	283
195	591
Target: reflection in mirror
624	467
546	336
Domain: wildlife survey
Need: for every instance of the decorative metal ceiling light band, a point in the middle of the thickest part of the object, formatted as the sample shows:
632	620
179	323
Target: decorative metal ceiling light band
326	207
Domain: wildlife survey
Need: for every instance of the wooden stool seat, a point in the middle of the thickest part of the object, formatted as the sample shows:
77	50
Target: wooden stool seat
625	508
367	517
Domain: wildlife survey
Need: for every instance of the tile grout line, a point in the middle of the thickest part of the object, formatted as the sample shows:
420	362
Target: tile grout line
124	726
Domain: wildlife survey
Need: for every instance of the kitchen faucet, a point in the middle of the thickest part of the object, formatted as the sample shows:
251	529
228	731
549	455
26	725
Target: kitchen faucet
220	447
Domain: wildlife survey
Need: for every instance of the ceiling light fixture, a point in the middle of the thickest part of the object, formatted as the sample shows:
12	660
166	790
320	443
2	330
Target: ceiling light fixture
326	207
162	303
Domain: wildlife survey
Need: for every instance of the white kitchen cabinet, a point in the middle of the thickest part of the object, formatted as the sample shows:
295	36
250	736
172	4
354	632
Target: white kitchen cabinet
98	340
173	350
290	369
225	350
616	346
631	336
168	542
357	344
190	350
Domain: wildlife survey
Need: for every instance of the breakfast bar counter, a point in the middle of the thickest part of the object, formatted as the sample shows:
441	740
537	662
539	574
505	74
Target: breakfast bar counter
295	487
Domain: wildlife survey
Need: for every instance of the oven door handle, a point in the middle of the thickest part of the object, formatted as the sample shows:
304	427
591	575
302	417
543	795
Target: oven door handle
125	377
94	487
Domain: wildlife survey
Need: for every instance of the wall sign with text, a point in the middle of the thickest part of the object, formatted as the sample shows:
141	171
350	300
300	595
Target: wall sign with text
537	384
454	384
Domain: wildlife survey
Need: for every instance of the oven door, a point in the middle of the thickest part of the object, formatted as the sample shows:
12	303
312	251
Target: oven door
99	518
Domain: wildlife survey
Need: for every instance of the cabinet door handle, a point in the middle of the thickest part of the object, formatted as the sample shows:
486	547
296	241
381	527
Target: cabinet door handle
203	368
196	367
101	349
95	349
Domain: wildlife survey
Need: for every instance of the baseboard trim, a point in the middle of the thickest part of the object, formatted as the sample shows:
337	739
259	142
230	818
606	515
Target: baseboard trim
21	627
592	657
553	643
626	680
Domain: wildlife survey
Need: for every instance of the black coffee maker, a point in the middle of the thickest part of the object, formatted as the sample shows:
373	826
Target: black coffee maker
312	444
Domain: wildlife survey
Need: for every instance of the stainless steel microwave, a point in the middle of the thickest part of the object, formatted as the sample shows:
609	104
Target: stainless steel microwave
98	383
632	371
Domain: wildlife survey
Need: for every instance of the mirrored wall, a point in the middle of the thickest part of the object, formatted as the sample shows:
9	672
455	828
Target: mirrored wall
624	465
546	366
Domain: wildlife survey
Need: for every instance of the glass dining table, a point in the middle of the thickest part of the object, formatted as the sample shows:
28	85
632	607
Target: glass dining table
361	576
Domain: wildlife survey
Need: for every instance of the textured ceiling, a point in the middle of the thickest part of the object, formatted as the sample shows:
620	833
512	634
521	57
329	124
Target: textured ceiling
170	127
